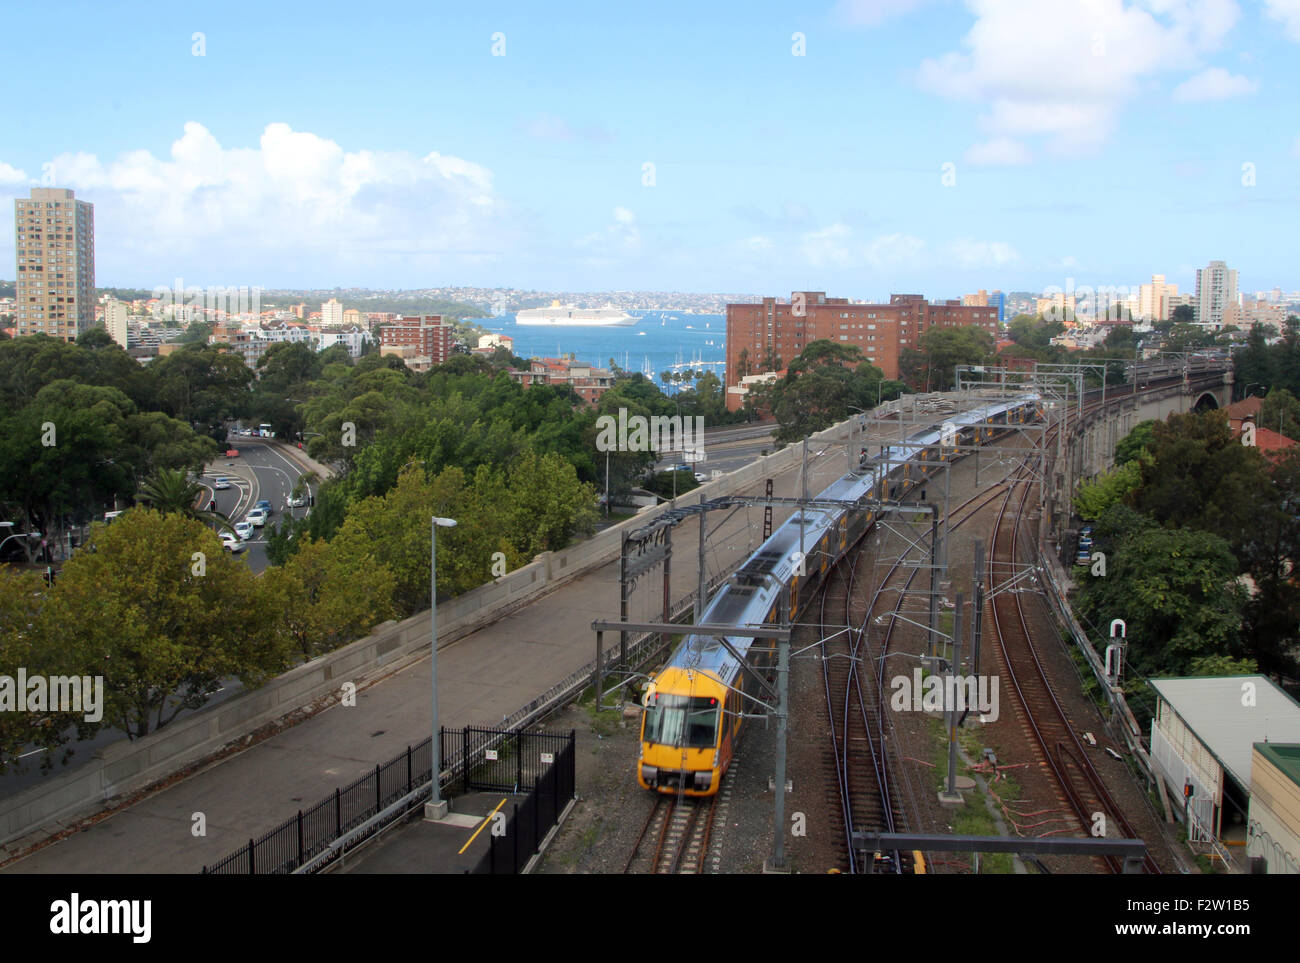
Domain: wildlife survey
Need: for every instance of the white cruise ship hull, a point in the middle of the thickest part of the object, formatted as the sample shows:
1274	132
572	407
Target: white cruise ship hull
575	318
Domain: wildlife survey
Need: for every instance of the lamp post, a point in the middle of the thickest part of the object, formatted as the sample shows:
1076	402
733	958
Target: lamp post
16	534
436	807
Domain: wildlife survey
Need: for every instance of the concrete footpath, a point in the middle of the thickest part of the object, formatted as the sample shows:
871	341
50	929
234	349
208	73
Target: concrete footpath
482	678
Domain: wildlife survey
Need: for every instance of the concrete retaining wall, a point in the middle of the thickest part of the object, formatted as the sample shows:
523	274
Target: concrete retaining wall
127	767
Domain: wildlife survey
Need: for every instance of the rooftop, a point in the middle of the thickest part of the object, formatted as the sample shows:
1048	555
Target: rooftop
1212	707
1286	756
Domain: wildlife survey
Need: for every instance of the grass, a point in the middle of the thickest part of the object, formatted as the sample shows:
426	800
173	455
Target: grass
972	819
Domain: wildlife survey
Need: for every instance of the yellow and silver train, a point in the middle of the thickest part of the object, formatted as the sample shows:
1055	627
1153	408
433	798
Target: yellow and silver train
692	719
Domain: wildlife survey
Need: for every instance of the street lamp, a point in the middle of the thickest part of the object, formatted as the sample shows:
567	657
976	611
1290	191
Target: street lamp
436	807
16	534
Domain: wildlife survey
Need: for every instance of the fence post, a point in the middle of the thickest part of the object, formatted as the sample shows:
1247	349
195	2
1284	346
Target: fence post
251	870
299	837
409	785
464	760
519	760
338	814
379	790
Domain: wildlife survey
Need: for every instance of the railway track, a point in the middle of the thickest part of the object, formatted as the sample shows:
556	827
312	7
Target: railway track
675	835
1059	745
859	764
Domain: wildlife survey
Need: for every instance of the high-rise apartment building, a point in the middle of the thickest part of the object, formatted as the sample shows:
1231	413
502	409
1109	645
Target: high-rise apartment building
55	248
1154	299
115	321
1216	289
767	336
331	312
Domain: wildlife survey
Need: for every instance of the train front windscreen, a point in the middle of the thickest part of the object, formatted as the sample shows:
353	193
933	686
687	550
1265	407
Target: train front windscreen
683	721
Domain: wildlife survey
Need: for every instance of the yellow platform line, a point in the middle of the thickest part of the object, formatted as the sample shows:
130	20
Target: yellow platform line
486	820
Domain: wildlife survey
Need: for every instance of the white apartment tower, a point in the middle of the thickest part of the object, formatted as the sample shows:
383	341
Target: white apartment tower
54	238
1216	289
1154	298
331	312
115	320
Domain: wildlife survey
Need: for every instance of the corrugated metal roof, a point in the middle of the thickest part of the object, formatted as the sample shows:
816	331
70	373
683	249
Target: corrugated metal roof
1211	706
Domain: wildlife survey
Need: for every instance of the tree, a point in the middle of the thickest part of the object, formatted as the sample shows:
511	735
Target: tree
1201	476
1138	440
1094	497
933	367
1183	314
163	613
31	639
174	492
325	596
1280	411
1177	593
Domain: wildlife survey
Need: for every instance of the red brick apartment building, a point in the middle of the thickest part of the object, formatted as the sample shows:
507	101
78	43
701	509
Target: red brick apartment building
588	382
882	331
421	341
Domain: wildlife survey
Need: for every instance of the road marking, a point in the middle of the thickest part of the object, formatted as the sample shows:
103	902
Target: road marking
486	819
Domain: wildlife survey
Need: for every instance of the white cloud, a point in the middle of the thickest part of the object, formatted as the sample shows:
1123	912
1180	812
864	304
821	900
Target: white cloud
1286	12
11	175
1002	151
1213	84
835	246
971	254
756	244
294	199
1064	69
621	236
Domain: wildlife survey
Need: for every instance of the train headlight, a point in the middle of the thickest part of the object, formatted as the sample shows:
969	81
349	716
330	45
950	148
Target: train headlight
649	773
703	779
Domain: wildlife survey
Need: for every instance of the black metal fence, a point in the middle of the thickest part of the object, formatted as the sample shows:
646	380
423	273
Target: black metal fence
492	760
531	819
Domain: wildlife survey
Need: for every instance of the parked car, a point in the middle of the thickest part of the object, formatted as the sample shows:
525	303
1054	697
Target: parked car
232	543
701	477
244	530
222	484
265	506
256	517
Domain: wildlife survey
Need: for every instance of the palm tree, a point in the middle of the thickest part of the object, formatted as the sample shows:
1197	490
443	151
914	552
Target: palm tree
173	491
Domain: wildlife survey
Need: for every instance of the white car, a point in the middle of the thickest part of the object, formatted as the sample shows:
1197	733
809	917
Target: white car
257	516
231	543
297	501
244	530
701	477
221	484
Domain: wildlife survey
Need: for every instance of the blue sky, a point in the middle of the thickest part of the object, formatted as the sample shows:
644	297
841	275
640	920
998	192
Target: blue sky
793	145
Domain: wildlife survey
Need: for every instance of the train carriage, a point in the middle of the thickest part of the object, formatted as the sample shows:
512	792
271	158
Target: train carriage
693	718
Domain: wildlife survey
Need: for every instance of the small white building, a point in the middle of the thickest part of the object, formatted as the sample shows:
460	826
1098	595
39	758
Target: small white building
1202	739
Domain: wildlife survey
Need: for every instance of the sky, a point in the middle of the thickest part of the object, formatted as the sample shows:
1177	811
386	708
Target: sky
860	147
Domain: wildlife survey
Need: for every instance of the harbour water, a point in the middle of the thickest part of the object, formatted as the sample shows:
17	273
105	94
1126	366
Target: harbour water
658	342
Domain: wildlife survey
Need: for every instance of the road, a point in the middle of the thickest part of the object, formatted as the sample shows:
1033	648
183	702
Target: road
260	471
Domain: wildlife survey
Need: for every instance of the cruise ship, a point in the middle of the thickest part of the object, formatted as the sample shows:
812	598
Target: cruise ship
566	314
